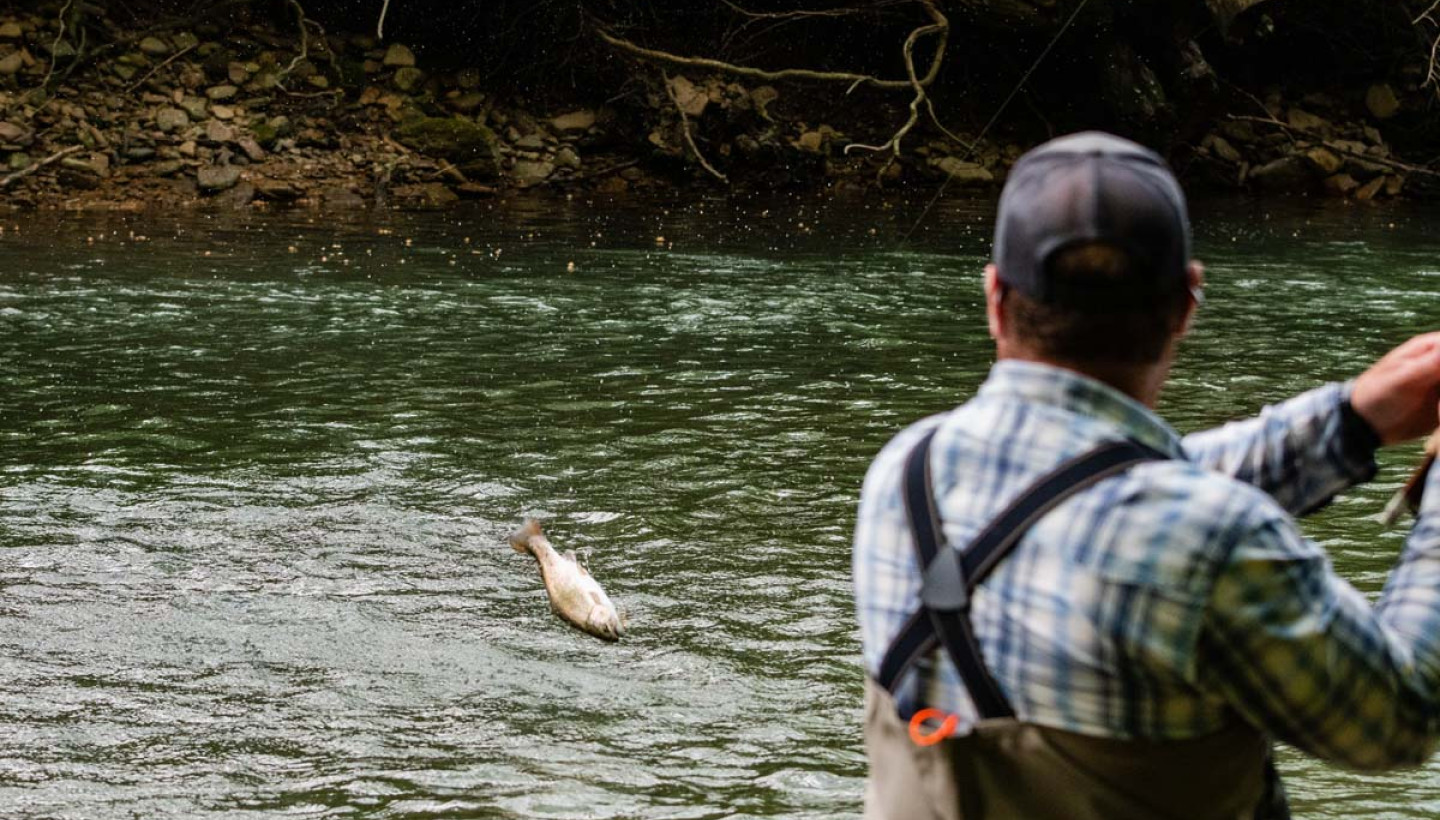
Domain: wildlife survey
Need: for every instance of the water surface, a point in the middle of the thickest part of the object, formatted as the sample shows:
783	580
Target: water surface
256	473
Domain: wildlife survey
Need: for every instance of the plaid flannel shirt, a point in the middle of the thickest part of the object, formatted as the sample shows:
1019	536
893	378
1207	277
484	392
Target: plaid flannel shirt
1168	600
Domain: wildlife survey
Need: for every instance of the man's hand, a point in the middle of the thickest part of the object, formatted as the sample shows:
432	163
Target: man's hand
1400	394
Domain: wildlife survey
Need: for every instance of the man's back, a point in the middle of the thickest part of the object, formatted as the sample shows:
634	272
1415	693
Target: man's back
1103	620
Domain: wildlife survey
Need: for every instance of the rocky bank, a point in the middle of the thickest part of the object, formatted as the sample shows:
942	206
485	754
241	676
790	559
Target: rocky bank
198	114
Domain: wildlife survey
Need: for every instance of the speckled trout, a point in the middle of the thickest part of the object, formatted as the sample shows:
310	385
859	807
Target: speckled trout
574	595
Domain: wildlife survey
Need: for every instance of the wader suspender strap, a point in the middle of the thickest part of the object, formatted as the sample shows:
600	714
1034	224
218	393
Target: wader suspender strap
950	575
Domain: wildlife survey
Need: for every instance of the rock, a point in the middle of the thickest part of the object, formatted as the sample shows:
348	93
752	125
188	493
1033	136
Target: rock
196	107
812	141
184	40
612	185
689	97
167	168
276	190
13	134
964	174
12	63
124	71
1327	162
472	147
1340	184
1370	190
467	103
18	161
154	46
337	197
83	166
319	81
567	158
408	78
474	190
761	98
217	177
217	131
427	193
223	112
220	93
1305	121
1393	185
187	148
11	31
1373	134
139	153
1223	149
170	120
237	197
531	142
398	56
1289	173
251	148
237	73
575	121
527	173
1381	101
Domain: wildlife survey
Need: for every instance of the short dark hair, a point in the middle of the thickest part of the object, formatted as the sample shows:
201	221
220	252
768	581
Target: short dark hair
1076	326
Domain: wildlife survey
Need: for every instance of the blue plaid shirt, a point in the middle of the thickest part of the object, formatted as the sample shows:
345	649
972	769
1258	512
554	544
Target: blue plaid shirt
1164	602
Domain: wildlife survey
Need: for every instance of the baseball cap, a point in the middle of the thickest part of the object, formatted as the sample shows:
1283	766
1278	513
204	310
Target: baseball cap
1087	188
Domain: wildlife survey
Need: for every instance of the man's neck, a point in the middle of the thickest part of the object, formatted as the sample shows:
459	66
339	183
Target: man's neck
1140	382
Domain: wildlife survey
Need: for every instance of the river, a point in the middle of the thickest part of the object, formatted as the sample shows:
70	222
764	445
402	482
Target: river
256	472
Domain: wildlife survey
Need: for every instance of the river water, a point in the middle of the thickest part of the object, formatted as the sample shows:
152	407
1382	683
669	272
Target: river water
256	472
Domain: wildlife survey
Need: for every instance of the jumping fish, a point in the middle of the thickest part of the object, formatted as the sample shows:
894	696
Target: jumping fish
574	595
1409	496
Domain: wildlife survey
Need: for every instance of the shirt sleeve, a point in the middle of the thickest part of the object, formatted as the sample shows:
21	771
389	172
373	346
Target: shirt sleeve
1301	452
1300	653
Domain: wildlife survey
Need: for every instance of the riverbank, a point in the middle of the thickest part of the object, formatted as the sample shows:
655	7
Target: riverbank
257	111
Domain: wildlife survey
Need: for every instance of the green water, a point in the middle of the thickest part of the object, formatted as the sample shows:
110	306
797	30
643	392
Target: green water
256	473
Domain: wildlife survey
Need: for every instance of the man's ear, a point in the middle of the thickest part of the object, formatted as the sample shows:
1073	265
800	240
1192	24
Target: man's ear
994	292
1195	284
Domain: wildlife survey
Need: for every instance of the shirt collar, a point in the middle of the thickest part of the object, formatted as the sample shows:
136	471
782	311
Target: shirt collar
1075	393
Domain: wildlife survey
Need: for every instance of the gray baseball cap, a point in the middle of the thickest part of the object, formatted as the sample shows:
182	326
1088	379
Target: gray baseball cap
1085	188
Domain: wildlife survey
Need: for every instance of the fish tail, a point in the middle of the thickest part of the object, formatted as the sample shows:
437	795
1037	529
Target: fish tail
520	538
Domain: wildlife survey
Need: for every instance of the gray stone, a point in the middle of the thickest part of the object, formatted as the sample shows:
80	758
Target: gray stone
1341	184
964	174
139	153
237	73
408	78
1224	150
167	168
582	120
251	148
531	142
170	120
1370	190
531	172
689	97
237	197
154	46
196	107
426	193
217	131
1305	121
220	93
18	161
1324	160
12	63
337	197
124	71
398	56
11	31
1382	102
223	112
567	158
467	103
184	40
217	177
276	190
1289	173
13	134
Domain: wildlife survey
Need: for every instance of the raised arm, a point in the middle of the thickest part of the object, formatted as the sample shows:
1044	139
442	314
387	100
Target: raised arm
1303	655
1305	450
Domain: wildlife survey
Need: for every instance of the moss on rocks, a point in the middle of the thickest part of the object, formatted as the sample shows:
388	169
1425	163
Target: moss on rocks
472	147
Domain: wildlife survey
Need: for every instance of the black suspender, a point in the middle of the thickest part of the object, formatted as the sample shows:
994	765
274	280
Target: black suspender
950	576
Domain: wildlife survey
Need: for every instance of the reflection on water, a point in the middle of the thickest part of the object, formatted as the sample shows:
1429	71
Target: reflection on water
256	472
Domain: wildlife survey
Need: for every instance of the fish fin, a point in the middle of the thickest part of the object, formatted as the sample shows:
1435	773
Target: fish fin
520	538
575	559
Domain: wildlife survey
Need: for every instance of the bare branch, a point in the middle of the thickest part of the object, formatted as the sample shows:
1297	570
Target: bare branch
893	144
685	129
25	172
940	25
380	26
172	58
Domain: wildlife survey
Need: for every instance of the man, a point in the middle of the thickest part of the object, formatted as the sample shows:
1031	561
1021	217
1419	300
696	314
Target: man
1149	617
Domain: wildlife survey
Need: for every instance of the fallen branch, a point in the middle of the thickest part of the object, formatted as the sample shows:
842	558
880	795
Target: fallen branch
25	172
940	24
685	129
151	73
1363	157
380	25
